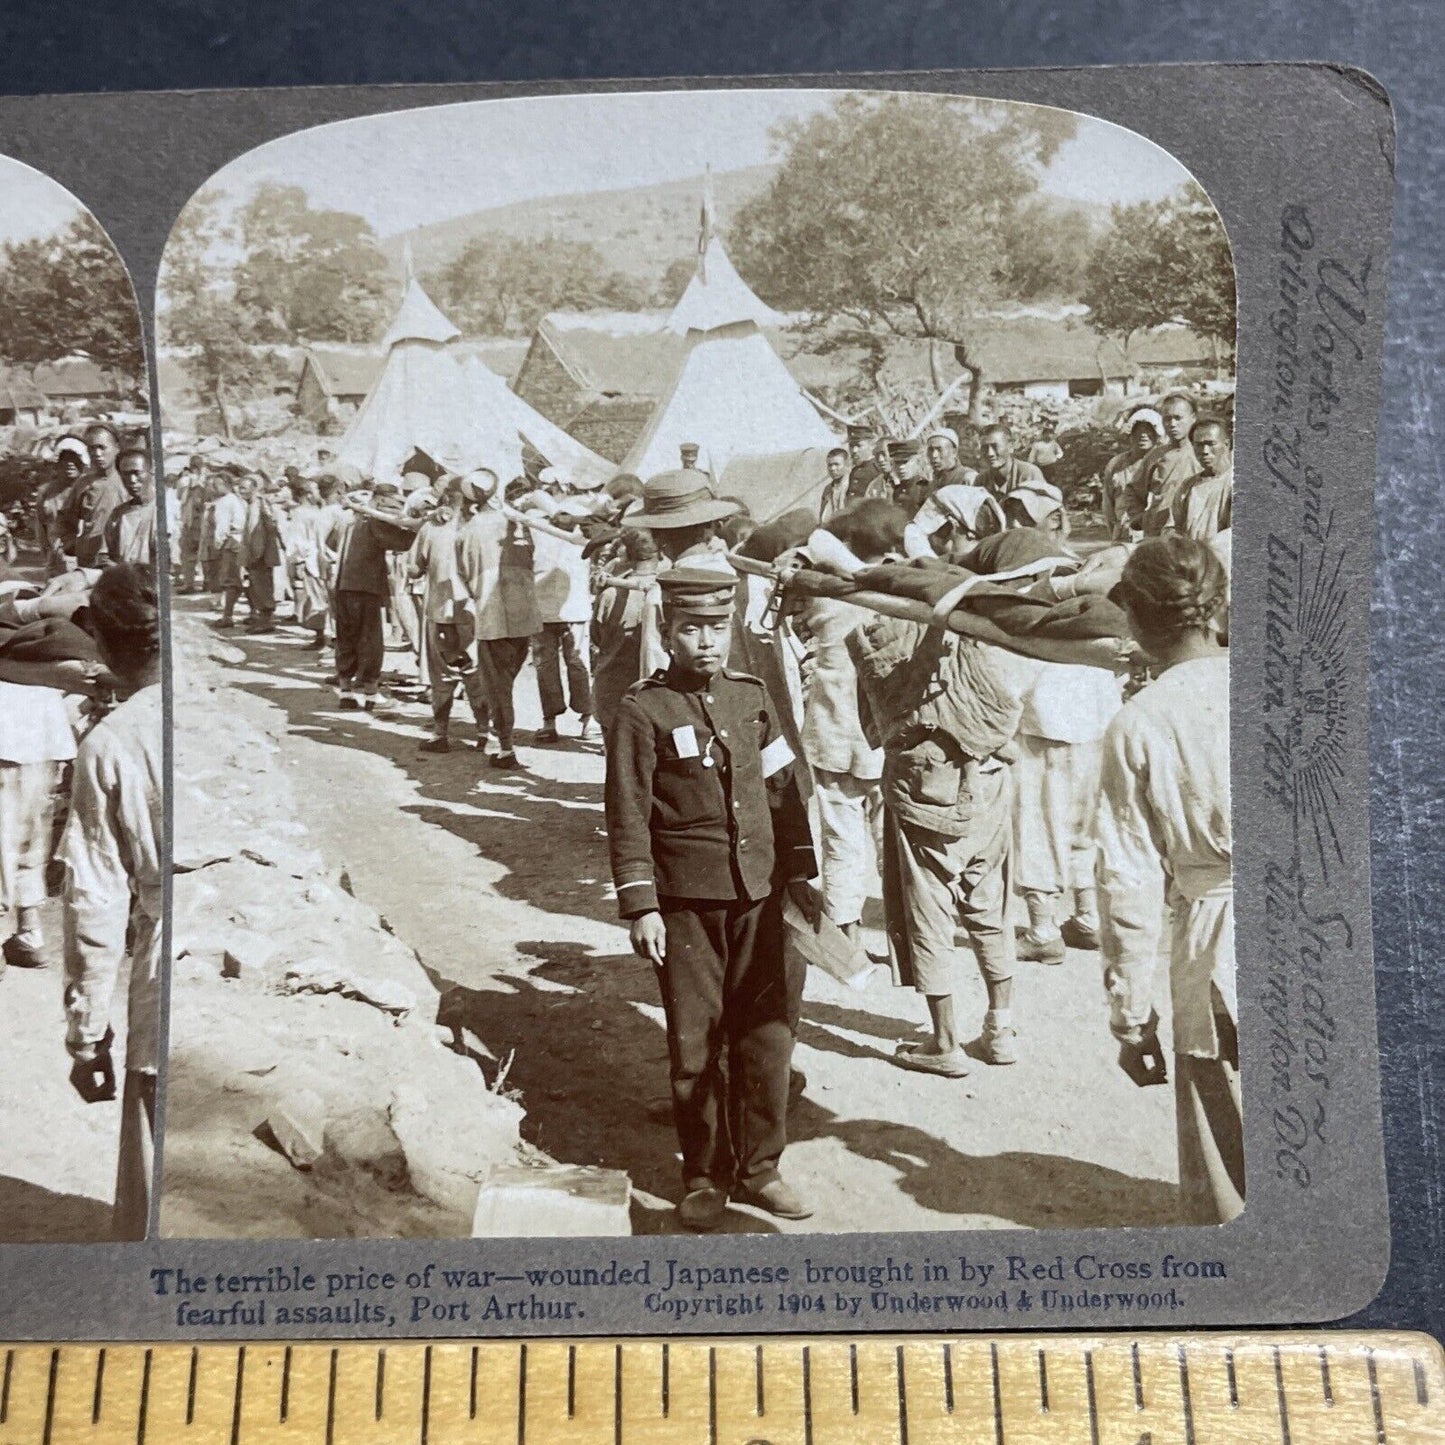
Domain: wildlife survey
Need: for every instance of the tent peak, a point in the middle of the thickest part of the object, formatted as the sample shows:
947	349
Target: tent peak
716	295
418	318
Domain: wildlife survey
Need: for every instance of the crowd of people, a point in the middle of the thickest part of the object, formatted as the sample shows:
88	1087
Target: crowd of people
770	753
81	748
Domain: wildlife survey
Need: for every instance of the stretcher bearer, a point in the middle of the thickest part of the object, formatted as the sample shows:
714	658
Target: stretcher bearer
944	709
1059	744
847	769
617	625
497	591
446	642
35	743
707	831
1164	835
113	849
1066	710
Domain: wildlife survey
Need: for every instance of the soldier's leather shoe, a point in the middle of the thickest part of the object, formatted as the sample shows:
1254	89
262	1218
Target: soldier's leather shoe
775	1197
1077	934
23	952
703	1209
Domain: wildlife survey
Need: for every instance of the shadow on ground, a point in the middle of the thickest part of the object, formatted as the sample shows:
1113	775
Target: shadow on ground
66	1218
589	1055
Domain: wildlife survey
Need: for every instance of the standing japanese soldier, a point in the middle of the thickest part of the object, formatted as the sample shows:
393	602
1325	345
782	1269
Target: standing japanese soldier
865	471
707	832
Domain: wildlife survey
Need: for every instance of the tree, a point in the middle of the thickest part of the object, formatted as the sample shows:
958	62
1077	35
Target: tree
1160	261
504	285
1048	248
891	214
310	274
198	314
70	292
674	280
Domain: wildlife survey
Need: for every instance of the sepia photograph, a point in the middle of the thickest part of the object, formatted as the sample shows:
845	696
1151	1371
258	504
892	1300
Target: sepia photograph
81	843
701	680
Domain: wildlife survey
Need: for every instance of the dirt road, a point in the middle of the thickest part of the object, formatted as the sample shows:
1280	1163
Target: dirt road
57	1153
500	882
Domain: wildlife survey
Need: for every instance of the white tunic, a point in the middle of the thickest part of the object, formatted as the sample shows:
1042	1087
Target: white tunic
34	725
112	850
1069	703
1164	824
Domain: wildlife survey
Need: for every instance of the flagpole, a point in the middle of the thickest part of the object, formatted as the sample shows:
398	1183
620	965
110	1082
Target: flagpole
705	223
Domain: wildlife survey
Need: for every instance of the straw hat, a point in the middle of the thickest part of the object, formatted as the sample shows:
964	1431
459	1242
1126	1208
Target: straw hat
675	499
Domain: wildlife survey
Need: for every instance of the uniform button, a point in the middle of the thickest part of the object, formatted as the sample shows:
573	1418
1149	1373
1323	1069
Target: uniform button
722	732
710	697
707	762
743	846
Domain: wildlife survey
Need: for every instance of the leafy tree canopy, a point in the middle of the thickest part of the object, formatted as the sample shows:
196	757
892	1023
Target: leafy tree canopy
1048	249
310	274
277	271
69	292
1166	260
196	312
504	285
893	214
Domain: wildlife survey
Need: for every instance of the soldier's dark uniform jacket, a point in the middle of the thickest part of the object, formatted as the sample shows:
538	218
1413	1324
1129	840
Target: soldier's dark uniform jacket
865	479
701	798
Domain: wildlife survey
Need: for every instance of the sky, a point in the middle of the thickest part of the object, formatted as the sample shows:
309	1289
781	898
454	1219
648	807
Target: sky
31	204
415	167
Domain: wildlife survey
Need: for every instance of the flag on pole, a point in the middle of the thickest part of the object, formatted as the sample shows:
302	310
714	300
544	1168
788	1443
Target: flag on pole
704	228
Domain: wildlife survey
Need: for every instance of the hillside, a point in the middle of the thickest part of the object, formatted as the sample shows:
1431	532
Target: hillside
639	231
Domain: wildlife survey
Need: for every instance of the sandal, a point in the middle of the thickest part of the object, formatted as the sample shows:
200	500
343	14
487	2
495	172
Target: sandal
923	1060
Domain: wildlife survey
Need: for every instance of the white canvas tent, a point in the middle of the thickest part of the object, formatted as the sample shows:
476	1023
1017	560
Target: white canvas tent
717	295
731	394
734	397
418	319
777	483
432	396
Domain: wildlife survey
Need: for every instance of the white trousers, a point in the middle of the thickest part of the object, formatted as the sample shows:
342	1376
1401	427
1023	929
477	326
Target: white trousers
26	803
850	814
1057	798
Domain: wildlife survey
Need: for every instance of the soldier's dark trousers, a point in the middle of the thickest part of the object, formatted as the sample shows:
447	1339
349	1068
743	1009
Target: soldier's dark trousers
360	645
557	647
732	1004
499	660
261	592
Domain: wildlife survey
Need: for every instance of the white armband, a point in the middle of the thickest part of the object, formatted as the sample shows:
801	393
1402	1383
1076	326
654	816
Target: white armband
776	756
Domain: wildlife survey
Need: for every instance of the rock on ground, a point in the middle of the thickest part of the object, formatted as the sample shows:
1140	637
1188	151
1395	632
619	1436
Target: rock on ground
553	1201
309	1091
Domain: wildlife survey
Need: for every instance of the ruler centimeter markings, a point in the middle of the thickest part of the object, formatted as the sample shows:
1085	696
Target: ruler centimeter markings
1296	1388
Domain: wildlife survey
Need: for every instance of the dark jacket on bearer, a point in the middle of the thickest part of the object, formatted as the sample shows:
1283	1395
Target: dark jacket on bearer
939	705
701	798
361	545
